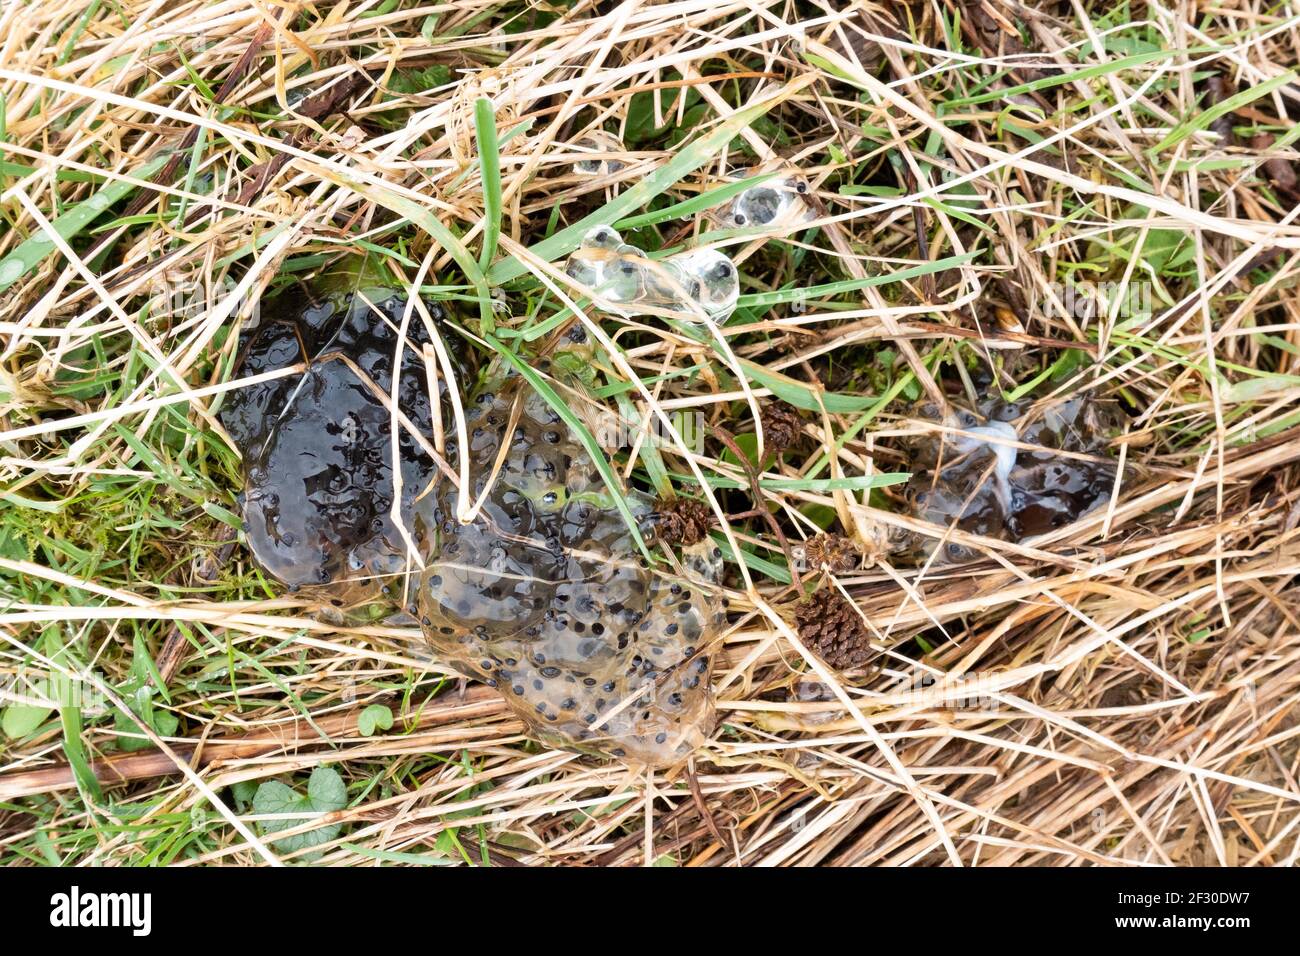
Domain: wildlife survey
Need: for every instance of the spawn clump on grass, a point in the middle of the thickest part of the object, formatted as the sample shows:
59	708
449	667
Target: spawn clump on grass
544	596
697	280
780	201
972	474
318	489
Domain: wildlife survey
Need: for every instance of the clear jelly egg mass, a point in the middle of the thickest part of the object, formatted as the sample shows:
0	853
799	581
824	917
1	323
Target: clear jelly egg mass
973	473
545	595
780	200
318	466
691	282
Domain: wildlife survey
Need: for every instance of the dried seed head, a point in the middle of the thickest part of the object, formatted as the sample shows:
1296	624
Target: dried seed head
834	552
683	521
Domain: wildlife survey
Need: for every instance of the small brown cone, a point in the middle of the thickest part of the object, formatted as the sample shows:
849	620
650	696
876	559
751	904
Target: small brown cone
782	426
833	630
683	521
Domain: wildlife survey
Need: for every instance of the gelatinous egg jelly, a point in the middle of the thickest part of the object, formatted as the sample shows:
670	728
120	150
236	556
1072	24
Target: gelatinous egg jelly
686	282
598	142
777	202
546	598
976	479
317	446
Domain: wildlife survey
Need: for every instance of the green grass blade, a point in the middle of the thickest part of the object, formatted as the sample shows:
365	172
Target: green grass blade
1203	119
1081	75
32	253
785	296
87	782
395	856
777	572
823	485
489	157
801	395
696	204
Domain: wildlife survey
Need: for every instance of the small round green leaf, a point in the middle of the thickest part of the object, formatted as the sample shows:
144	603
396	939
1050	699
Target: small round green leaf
373	718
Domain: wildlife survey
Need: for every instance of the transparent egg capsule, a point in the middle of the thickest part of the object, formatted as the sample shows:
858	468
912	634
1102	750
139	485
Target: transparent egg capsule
779	202
606	237
689	282
602	258
711	280
598	142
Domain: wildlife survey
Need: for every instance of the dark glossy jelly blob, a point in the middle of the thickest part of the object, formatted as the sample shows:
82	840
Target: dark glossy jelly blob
986	487
546	595
318	489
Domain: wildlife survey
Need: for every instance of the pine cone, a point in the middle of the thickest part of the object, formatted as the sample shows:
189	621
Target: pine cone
835	551
683	521
782	425
832	629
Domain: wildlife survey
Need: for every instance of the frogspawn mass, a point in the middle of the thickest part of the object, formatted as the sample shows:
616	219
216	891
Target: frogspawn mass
318	446
1007	469
544	595
542	592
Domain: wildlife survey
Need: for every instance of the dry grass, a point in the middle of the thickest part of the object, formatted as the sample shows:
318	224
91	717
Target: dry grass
1140	666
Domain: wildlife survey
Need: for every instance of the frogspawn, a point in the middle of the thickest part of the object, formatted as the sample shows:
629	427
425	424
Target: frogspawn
545	597
778	199
317	446
972	473
697	280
